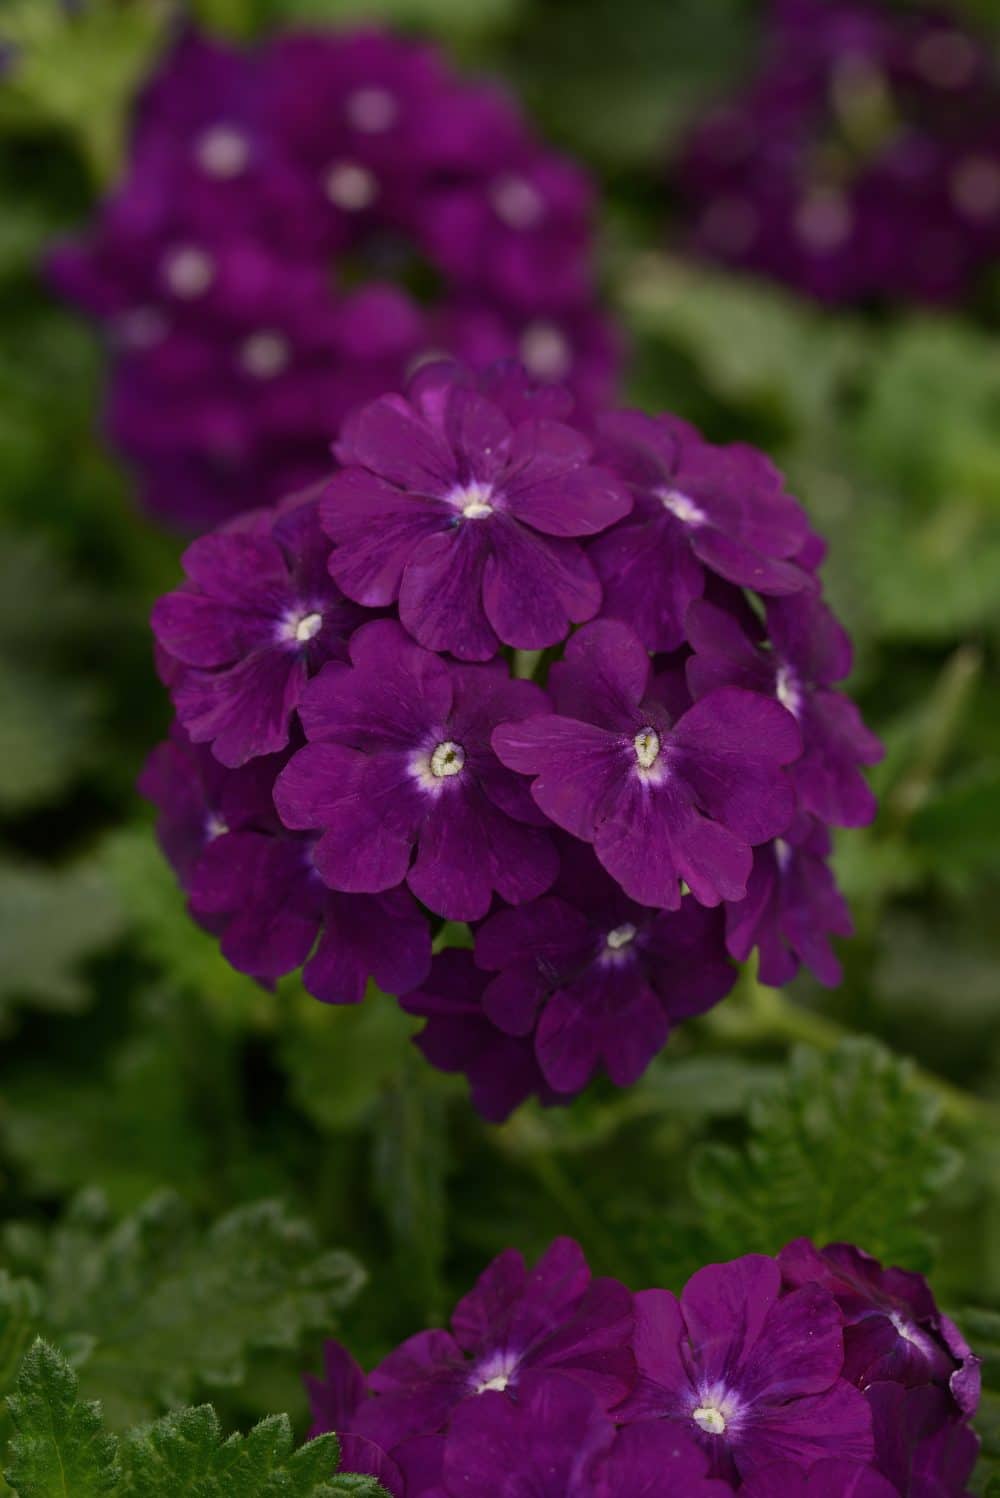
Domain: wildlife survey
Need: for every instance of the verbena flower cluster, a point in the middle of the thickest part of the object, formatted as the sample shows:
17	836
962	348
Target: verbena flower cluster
359	758
818	1374
862	160
298	226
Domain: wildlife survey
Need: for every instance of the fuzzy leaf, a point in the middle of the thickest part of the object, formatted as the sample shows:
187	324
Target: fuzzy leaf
845	1148
166	1308
60	1449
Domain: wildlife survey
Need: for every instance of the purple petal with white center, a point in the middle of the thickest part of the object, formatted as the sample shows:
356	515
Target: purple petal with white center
375	529
577	766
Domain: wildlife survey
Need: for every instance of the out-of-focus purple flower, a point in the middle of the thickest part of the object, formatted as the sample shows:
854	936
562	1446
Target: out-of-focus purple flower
596	979
794	657
791	907
253	270
471	521
827	1479
698	509
893	1328
256	620
862	160
555	1319
502	1069
661	800
255	886
400	778
753	1376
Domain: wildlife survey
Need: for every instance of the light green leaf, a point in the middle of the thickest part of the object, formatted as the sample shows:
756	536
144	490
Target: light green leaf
340	1059
60	1449
846	1148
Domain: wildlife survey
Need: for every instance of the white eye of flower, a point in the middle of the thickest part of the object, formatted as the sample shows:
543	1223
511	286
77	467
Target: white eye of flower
222	152
350	186
621	936
905	1329
308	628
709	1419
141	328
545	351
371	110
448	759
647	747
265	354
678	504
975	187
788	690
824	219
516	201
474	500
188	271
946	58
214	826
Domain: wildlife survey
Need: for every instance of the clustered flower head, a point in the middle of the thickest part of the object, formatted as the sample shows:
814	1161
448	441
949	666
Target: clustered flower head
862	161
301	223
569	682
818	1374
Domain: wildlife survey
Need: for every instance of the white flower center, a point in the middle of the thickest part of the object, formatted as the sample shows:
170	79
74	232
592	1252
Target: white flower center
782	853
788	691
621	936
308	628
371	110
494	1373
824	219
516	201
141	328
904	1328
647	747
687	512
975	186
350	186
474	500
545	351
498	1382
222	152
265	354
214	826
448	759
189	271
709	1419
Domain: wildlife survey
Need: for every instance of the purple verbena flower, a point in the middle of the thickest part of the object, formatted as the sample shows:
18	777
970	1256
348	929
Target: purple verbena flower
699	510
791	908
754	1377
256	620
596	979
920	1445
794	657
661	800
471	521
400	778
827	1479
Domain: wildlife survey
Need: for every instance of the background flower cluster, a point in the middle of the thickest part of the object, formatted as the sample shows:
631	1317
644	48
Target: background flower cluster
205	1176
661	805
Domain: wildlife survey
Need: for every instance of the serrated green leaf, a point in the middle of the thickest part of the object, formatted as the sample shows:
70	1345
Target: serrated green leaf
845	1149
169	1309
60	1449
50	921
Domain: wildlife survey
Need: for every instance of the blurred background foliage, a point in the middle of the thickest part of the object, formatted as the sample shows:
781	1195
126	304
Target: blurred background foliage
136	1063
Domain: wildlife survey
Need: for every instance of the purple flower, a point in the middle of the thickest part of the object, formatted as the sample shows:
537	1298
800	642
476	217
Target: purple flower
791	907
751	1375
258	617
400	778
698	509
502	1069
597	979
467	518
919	1444
827	1479
555	1319
662	800
803	651
646	1457
893	1328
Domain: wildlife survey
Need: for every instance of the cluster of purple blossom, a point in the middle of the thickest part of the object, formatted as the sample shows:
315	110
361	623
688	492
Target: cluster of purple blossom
299	226
354	763
862	161
816	1375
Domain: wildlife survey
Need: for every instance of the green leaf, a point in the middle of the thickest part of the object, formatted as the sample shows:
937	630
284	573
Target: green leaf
340	1059
46	735
162	1309
845	1148
50	921
60	1449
